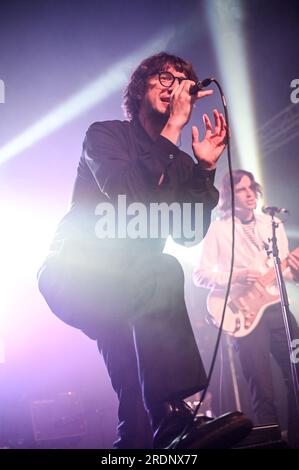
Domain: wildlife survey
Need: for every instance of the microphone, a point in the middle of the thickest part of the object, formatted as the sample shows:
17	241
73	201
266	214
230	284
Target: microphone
271	210
200	85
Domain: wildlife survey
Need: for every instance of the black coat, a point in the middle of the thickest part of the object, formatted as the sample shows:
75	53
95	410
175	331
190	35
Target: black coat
119	158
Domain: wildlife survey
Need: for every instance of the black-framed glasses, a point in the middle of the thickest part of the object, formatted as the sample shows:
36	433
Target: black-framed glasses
167	79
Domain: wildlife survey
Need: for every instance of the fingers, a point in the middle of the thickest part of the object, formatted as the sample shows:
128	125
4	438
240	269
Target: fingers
223	126
208	126
248	276
220	124
217	122
181	104
195	135
293	262
294	269
202	94
251	278
185	85
294	257
220	127
180	94
224	131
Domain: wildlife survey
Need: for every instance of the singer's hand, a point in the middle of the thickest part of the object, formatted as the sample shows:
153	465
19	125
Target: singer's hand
181	102
211	147
180	109
293	262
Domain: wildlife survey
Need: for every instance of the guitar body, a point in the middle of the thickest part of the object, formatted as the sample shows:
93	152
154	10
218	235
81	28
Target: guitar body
245	305
244	310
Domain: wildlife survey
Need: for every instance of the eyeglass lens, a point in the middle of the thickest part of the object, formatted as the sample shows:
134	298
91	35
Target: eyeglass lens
167	79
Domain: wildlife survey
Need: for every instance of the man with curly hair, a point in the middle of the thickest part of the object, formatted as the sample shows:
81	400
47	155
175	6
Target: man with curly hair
257	341
124	291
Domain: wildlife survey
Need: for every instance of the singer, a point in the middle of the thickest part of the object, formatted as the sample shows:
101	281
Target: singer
254	345
125	293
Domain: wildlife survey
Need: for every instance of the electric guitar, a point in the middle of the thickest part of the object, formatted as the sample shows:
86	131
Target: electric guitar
245	305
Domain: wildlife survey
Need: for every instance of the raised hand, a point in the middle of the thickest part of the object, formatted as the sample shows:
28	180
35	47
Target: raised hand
180	108
208	150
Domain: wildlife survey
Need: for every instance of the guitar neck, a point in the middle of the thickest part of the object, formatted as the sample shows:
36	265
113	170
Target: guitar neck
269	276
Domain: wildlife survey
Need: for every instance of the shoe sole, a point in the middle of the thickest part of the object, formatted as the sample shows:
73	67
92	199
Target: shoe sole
222	437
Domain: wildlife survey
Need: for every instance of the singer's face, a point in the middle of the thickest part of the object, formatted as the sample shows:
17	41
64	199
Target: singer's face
157	97
245	195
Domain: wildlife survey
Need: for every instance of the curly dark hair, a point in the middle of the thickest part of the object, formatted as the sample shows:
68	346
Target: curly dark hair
225	191
137	86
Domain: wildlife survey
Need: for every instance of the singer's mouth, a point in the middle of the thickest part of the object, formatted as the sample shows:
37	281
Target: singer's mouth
165	99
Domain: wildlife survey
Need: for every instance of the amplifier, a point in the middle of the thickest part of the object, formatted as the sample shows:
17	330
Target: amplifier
60	416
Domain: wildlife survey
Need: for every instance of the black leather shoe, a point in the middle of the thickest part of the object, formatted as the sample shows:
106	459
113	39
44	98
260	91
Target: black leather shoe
203	432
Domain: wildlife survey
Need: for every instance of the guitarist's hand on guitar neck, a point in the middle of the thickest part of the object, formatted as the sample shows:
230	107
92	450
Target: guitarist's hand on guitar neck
293	263
245	276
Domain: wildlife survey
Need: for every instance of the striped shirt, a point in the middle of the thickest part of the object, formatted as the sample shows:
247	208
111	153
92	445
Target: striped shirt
250	232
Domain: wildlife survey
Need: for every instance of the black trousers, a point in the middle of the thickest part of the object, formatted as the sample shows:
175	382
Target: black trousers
267	338
133	304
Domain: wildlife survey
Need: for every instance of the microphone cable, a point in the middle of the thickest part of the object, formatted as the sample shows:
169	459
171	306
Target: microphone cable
201	85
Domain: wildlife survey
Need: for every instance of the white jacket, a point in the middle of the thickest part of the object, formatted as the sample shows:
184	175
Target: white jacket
214	264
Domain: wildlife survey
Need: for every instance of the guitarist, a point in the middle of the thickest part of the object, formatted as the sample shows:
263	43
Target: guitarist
252	231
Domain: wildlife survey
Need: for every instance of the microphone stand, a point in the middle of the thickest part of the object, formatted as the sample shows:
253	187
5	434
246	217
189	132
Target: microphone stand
286	314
